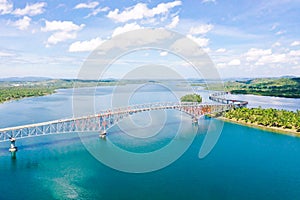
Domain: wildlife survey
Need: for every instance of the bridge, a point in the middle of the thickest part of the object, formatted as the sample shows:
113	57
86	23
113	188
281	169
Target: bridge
104	120
220	97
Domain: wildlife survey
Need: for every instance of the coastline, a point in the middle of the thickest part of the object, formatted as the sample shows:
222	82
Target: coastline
21	98
289	132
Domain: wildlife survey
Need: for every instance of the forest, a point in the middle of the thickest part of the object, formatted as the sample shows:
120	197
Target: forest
278	87
15	90
266	117
191	98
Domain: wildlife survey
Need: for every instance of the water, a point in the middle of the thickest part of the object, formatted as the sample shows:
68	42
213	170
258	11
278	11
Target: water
246	163
291	104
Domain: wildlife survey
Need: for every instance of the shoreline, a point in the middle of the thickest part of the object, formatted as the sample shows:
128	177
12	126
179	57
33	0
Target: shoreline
283	131
17	99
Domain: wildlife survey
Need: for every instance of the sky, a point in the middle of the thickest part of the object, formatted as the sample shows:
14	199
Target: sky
243	38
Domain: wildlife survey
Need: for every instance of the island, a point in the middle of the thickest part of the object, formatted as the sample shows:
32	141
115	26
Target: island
281	121
18	89
191	98
288	87
278	87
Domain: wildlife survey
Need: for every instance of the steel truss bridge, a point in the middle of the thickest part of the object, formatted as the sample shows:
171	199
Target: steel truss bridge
104	120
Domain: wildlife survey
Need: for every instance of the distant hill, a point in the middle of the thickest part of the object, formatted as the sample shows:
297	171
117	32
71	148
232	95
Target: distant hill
279	87
24	79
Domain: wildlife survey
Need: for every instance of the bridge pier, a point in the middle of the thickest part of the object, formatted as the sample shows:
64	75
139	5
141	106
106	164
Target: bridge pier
13	149
195	121
102	134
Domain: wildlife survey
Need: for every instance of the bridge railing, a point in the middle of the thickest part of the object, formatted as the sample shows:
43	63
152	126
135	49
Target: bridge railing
104	119
219	97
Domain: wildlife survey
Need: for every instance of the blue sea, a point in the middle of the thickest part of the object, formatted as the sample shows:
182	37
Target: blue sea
245	163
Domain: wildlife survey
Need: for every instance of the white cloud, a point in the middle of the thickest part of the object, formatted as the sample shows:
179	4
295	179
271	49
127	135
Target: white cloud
295	43
89	5
234	62
280	32
5	54
276	44
60	37
141	10
85	46
5	7
221	50
201	29
97	10
174	22
274	26
31	9
126	28
61	26
273	58
295	53
203	42
221	65
209	1
163	53
253	53
63	30
22	24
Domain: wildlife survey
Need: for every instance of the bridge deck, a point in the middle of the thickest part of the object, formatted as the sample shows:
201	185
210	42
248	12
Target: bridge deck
106	119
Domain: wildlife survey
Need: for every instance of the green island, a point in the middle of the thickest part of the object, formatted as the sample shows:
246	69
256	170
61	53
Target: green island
191	98
281	87
14	90
281	121
277	87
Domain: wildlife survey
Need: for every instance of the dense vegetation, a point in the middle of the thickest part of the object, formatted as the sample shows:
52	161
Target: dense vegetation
191	98
278	87
266	117
18	89
13	93
281	87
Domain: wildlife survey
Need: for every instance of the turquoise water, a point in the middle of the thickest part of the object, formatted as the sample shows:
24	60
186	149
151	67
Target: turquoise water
246	163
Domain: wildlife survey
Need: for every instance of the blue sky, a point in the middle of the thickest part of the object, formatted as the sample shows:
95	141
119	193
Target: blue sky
243	38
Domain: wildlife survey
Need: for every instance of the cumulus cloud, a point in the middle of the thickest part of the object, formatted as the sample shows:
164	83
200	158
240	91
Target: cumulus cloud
295	53
6	7
126	28
61	26
273	58
31	9
201	41
23	23
201	29
63	30
253	53
234	62
141	10
89	5
174	22
295	43
85	46
221	50
60	37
